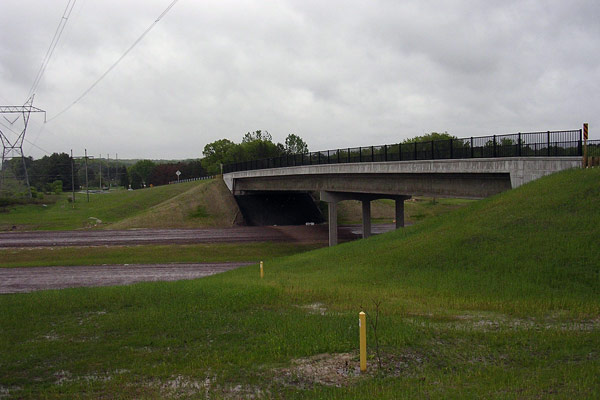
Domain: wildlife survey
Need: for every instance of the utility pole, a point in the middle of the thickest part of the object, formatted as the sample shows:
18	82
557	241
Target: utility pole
108	164
100	171
117	170
87	191
72	180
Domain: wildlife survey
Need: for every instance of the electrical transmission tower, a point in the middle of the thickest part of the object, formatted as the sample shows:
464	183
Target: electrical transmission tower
12	147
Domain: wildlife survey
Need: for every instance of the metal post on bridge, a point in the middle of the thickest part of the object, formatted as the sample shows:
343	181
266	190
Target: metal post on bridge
472	152
585	149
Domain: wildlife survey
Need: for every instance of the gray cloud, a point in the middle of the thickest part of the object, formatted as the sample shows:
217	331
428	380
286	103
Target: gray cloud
338	73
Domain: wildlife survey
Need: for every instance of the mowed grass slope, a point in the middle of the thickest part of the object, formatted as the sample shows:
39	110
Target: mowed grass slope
209	204
500	299
164	206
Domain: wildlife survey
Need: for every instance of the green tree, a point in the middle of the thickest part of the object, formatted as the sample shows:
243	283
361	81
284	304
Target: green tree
257	135
123	177
51	168
295	145
215	154
140	172
429	137
56	187
257	149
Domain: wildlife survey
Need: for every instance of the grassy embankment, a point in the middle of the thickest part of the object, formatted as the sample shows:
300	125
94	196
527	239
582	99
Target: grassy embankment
184	205
500	299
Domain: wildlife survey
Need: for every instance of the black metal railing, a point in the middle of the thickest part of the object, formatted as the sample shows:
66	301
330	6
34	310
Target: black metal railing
531	144
593	148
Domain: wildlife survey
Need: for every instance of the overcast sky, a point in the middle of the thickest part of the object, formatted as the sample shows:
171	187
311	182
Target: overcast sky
337	73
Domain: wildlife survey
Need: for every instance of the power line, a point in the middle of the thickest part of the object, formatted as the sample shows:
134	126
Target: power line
139	39
17	133
57	34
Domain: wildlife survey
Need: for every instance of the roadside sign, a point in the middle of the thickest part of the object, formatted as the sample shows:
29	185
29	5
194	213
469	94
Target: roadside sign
585	131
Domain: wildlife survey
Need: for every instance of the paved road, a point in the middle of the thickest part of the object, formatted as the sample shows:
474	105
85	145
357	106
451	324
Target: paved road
315	233
21	280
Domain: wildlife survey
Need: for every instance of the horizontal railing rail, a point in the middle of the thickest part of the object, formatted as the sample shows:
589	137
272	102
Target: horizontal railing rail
530	144
201	178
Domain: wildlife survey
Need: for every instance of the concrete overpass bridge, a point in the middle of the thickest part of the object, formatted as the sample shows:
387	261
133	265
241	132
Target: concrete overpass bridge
463	168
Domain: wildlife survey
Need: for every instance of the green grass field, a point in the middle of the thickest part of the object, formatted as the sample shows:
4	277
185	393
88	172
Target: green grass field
148	254
498	299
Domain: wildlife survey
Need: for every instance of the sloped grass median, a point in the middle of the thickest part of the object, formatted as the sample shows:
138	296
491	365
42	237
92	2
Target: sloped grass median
500	299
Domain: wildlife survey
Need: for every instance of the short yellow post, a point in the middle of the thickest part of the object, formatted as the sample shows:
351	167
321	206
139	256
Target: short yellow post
362	327
262	271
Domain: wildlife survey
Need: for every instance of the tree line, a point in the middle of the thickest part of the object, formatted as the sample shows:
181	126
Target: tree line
58	171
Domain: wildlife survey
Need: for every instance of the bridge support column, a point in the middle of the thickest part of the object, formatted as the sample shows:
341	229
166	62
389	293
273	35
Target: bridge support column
332	198
366	218
400	212
332	221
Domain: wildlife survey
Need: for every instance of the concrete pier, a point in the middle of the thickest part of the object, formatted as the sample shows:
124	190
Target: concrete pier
366	218
332	198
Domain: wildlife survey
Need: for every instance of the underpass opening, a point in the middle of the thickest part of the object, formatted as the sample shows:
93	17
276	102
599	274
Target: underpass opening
279	208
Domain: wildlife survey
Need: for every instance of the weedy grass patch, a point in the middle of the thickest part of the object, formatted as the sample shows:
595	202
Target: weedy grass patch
499	299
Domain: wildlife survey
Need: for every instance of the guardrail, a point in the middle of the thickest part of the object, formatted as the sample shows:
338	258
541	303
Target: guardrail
530	144
192	179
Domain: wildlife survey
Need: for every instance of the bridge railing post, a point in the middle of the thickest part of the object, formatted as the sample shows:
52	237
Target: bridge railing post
472	151
548	143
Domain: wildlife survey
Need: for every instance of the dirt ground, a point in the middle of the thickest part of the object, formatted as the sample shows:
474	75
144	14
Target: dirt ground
22	280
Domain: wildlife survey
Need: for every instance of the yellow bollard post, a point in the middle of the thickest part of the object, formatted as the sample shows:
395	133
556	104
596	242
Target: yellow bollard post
262	272
362	327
